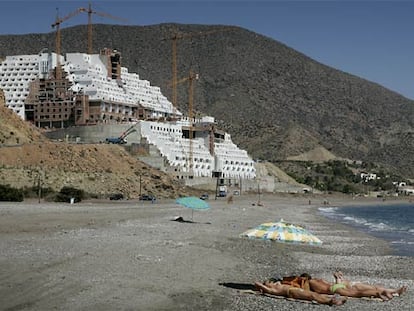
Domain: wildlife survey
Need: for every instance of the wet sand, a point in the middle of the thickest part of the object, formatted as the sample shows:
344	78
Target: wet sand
130	255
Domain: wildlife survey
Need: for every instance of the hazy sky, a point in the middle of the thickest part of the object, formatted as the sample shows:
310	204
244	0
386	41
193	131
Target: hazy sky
370	39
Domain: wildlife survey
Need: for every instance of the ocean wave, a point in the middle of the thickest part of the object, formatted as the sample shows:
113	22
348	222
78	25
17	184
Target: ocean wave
359	221
372	226
380	227
391	222
403	242
328	210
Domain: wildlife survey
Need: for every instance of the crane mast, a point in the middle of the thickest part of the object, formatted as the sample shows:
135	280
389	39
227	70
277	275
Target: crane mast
59	21
102	14
174	38
174	73
90	29
192	76
56	24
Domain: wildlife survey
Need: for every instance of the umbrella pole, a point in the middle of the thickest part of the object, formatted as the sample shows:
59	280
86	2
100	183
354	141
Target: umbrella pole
192	212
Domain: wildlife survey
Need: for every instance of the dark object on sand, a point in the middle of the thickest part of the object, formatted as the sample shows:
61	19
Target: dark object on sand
181	219
147	197
116	196
204	196
239	286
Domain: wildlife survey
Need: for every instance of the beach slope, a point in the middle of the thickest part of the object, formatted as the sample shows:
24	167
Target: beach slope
131	255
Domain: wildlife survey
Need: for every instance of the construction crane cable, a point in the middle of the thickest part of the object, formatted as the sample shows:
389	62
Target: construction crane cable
174	38
102	14
58	21
89	11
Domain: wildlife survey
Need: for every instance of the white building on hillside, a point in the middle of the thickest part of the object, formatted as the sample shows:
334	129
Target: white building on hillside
96	90
16	73
103	80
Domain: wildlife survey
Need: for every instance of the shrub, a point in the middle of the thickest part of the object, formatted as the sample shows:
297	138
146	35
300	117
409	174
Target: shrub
66	193
33	192
7	193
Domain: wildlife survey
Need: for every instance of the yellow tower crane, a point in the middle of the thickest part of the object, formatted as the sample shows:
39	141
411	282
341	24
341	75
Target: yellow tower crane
190	78
58	21
174	38
102	14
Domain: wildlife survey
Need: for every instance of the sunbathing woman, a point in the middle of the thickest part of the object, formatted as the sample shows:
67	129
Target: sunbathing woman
278	289
389	292
357	290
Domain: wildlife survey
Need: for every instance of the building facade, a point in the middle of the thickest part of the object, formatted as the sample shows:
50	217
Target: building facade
94	89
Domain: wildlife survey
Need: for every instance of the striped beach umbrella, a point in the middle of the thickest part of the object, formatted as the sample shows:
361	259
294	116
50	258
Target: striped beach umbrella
282	232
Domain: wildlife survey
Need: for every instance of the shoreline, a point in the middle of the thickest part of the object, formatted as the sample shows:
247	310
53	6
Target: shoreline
377	220
130	255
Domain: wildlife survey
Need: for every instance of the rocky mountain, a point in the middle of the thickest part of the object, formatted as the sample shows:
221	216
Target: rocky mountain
275	102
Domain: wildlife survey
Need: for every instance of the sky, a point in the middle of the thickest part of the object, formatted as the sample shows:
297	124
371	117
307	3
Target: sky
372	39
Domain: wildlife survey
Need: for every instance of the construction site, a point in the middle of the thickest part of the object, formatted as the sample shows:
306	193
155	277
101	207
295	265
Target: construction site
88	98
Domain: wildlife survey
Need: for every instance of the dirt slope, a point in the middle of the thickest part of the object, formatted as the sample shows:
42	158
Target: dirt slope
12	130
98	169
27	158
317	155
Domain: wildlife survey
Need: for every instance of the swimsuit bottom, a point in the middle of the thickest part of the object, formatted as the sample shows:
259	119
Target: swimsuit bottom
337	286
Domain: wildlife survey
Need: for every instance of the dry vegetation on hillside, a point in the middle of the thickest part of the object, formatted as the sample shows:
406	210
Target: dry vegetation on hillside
12	131
26	157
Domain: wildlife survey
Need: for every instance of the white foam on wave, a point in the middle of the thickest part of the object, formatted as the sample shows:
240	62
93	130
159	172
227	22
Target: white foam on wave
403	242
373	226
327	210
380	227
331	212
394	225
359	221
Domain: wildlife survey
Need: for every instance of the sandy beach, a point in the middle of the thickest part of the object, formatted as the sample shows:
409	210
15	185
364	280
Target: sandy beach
130	255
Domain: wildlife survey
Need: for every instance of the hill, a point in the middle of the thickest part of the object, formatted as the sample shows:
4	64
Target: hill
13	130
28	158
316	155
275	102
97	169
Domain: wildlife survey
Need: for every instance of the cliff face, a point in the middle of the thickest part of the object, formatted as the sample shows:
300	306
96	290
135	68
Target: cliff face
274	101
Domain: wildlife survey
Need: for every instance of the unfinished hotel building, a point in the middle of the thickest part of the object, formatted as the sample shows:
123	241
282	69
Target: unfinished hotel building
93	92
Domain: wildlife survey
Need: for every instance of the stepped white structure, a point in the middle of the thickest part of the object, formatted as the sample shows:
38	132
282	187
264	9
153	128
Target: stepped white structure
113	94
16	73
119	92
227	158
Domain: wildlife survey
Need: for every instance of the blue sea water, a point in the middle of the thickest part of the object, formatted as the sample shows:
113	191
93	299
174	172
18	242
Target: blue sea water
391	222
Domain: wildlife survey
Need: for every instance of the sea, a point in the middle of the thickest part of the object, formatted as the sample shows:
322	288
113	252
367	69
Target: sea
390	222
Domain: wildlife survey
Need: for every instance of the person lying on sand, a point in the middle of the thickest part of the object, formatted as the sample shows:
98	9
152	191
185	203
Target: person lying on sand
279	289
388	292
342	287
